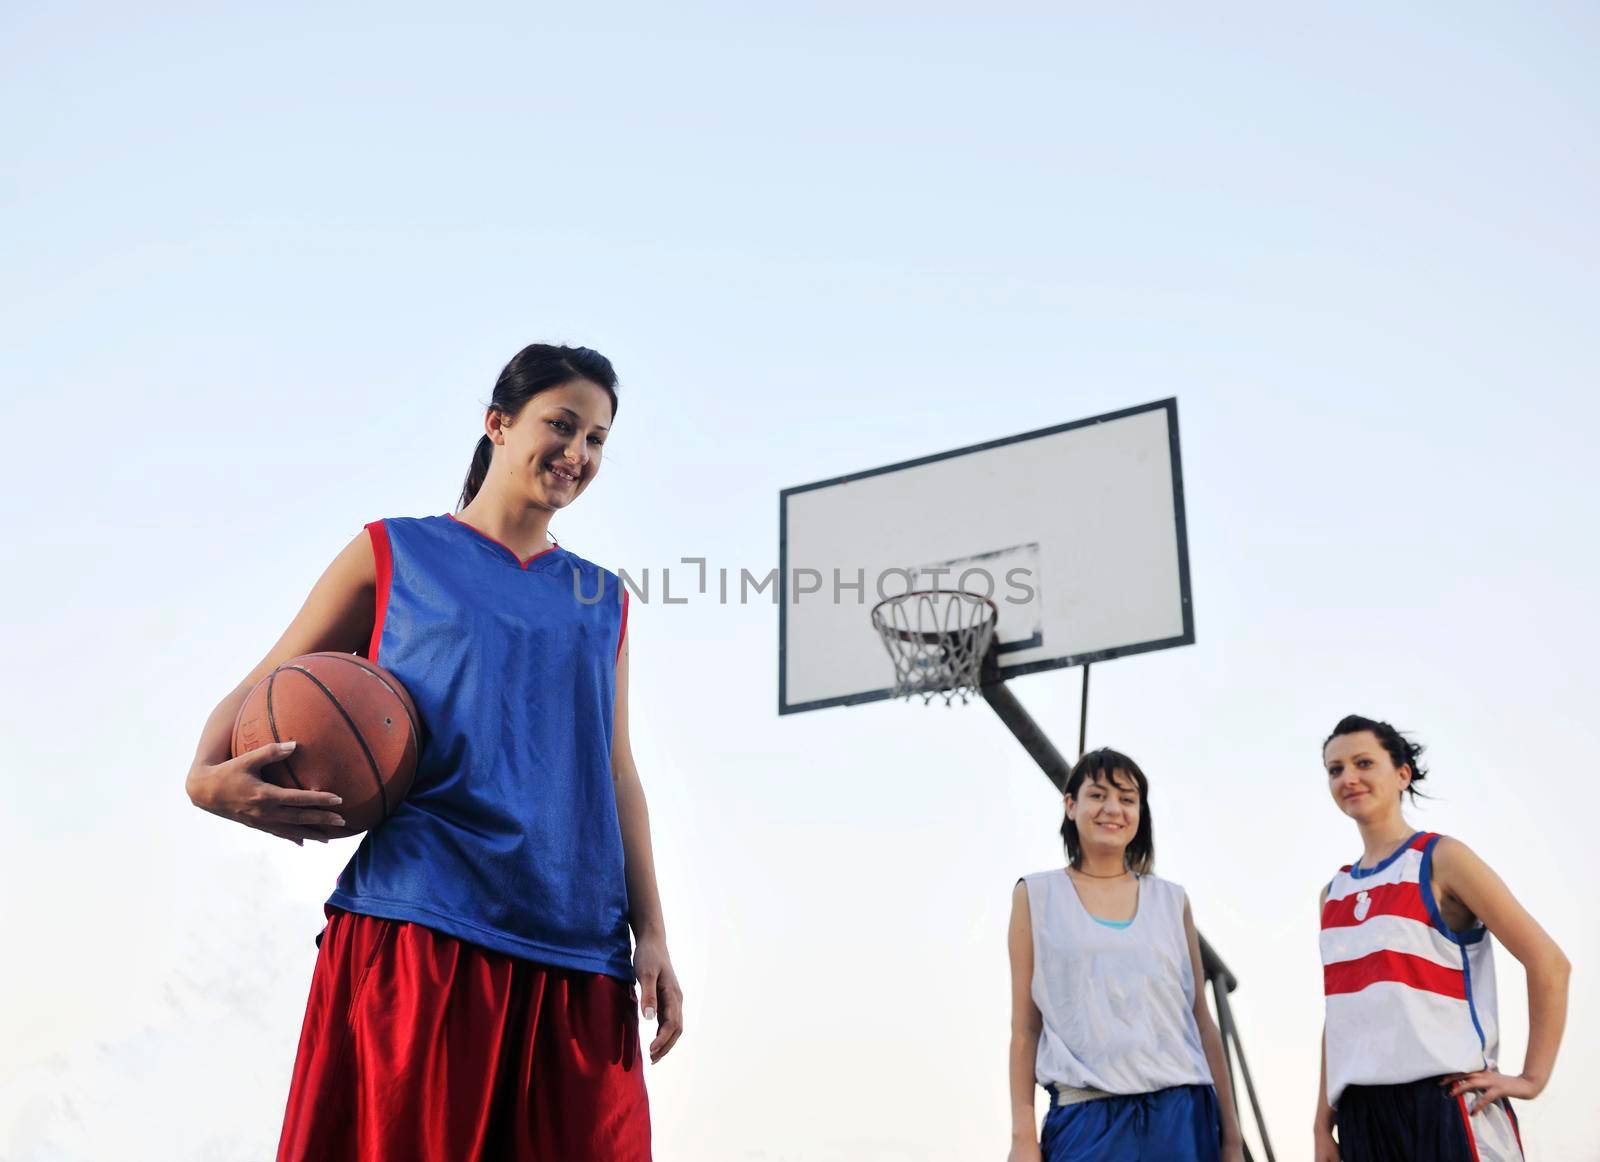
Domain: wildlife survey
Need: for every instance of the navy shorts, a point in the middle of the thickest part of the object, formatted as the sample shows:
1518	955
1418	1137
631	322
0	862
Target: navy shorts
1181	1124
1418	1121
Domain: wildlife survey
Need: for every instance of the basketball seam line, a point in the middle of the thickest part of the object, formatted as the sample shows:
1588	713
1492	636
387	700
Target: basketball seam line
272	724
372	669
372	763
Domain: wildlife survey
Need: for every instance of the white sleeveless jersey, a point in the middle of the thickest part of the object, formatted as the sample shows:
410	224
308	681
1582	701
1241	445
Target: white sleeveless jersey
1407	998
1117	1003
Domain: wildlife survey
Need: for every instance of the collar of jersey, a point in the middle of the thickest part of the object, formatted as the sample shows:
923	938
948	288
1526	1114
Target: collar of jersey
538	560
1359	872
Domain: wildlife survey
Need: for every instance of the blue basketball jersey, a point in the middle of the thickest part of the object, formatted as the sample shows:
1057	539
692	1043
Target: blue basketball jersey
509	836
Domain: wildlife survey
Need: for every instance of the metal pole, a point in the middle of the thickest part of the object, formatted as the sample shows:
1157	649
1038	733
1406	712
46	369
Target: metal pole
1004	703
1250	1088
1083	714
1224	982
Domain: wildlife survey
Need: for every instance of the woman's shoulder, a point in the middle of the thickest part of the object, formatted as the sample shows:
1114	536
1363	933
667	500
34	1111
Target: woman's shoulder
1448	854
578	561
594	581
1170	889
407	534
408	522
1039	888
1038	876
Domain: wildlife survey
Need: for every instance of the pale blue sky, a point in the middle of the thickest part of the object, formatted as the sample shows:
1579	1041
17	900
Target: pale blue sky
261	268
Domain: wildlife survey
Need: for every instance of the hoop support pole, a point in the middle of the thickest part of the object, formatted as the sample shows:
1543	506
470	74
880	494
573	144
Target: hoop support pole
1083	713
1004	703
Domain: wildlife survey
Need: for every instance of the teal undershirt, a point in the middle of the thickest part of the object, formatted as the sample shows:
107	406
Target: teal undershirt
1110	923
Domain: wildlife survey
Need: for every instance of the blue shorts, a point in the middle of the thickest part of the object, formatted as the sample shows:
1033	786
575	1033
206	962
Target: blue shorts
1181	1124
1418	1121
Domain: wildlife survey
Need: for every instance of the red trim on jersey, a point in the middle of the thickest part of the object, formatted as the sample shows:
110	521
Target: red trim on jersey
622	635
1422	840
1402	899
1516	1127
1351	976
384	560
496	541
1466	1124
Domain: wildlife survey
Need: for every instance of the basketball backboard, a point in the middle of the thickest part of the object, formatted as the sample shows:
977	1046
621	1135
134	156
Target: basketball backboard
1075	531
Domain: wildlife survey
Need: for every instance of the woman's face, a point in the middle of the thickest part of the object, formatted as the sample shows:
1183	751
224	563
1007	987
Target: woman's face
1106	813
1362	778
551	450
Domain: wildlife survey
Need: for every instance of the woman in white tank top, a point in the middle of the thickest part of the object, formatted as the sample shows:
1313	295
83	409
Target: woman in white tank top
1411	1036
1108	1009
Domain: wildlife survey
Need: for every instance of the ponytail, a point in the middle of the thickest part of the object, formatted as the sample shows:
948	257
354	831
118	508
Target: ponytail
537	367
478	472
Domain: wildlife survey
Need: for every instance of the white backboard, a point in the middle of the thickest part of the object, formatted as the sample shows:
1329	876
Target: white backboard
1075	531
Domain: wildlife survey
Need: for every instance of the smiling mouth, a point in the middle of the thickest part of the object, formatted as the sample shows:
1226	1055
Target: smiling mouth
562	473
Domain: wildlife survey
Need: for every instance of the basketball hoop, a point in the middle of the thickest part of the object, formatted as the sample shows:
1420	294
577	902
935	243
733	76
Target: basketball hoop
937	639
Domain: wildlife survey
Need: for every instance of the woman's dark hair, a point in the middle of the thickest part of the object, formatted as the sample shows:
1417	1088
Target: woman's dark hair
1104	766
537	367
1402	751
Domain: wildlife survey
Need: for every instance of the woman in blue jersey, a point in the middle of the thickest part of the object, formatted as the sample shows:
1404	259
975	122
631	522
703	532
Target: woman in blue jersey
1108	1009
1411	1035
473	994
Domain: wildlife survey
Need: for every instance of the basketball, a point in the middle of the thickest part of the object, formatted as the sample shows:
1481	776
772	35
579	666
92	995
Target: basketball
355	728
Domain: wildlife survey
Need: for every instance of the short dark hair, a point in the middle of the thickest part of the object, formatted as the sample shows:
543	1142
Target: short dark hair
1103	766
1403	752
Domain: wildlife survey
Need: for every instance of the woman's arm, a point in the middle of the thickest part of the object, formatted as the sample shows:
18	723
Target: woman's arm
1325	1148
1211	1041
1026	1024
658	983
337	615
1459	874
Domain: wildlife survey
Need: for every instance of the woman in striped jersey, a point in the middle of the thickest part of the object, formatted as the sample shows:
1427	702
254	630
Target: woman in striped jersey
1409	1068
1108	1009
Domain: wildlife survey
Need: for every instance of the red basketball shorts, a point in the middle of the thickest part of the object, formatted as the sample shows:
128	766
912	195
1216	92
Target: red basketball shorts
418	1047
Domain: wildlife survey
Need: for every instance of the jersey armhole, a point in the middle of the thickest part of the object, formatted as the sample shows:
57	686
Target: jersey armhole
1431	902
383	561
622	633
1425	886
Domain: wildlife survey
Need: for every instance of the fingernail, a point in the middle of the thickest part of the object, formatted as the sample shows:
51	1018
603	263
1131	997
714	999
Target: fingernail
649	1013
337	822
338	802
286	747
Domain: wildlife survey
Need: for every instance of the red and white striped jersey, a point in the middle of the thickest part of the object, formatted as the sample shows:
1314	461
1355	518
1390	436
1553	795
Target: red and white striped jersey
1406	997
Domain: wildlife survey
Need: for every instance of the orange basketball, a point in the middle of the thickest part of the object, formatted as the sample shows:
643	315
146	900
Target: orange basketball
355	728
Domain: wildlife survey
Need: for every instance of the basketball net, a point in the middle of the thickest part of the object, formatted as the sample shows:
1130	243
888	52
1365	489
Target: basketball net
937	639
